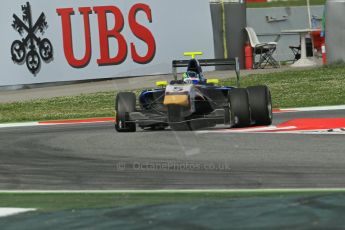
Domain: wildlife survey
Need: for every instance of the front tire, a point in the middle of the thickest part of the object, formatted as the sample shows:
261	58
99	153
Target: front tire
239	108
124	104
260	104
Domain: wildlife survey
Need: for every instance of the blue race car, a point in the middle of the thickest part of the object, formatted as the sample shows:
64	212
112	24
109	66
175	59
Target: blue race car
194	101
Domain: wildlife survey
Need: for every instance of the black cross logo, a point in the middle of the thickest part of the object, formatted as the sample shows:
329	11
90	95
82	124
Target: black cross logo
26	49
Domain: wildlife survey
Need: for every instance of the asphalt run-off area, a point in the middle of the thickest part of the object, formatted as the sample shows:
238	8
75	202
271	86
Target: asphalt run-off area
303	148
81	173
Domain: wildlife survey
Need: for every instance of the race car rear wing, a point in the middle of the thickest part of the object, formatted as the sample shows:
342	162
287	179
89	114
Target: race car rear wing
209	62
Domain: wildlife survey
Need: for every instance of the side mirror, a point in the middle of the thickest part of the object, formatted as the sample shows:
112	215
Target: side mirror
212	81
161	83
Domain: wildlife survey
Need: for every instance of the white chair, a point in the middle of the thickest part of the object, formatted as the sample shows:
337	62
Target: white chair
264	50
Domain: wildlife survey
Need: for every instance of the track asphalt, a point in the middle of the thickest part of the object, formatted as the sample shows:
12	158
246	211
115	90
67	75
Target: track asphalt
94	156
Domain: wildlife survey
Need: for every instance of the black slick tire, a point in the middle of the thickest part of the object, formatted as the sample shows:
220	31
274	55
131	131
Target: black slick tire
260	104
124	104
239	108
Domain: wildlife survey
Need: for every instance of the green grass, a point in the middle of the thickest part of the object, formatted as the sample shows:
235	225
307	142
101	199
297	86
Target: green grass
293	88
68	201
296	88
82	106
287	3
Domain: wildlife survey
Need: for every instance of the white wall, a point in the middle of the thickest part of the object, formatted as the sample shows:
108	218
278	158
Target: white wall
175	27
335	31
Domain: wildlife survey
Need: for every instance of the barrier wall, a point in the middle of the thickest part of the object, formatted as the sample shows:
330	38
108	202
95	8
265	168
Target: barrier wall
234	17
60	40
335	27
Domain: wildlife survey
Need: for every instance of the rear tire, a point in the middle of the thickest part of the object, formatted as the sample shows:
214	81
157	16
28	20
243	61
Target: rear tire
124	104
239	108
176	119
260	104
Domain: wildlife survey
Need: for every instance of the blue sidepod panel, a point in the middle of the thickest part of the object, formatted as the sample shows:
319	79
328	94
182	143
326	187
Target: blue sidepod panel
147	97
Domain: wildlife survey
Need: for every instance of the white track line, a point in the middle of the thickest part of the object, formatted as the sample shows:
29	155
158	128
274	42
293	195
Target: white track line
150	191
313	132
4	212
311	109
21	124
268	129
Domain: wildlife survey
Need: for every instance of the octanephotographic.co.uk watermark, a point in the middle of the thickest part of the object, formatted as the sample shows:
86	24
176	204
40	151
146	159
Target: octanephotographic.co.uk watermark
172	166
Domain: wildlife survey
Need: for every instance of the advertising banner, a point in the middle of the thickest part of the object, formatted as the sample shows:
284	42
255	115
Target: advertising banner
61	40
